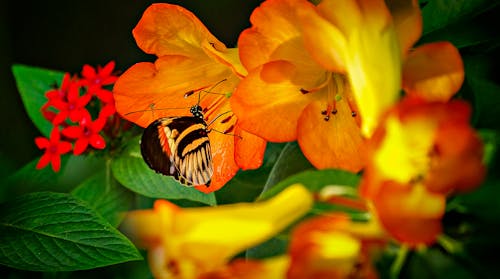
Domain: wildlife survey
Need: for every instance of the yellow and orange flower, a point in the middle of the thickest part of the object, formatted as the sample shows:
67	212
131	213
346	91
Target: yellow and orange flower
325	74
421	153
334	247
288	96
191	61
188	242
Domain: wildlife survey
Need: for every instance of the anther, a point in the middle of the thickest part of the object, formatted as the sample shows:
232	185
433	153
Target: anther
324	112
353	114
304	91
327	118
334	111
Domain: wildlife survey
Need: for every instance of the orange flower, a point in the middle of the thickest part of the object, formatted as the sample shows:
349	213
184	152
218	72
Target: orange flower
421	153
370	41
191	61
288	96
333	247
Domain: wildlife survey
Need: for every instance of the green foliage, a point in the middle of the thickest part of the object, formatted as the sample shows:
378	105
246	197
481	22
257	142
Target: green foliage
57	232
32	83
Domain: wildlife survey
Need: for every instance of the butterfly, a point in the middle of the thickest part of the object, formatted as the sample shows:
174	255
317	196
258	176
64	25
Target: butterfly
179	147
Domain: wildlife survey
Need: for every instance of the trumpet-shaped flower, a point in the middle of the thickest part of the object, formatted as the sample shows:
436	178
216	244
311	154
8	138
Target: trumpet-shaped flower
421	153
188	242
192	66
306	101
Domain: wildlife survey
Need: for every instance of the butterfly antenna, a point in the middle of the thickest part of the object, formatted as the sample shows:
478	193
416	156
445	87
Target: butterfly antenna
209	91
152	109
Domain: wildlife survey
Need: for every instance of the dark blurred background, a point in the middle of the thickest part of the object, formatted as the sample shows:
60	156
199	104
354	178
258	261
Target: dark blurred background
65	35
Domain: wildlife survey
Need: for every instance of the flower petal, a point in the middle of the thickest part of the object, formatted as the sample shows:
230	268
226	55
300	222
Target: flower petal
268	92
407	19
64	147
146	91
42	143
336	143
44	160
249	149
80	146
55	161
411	214
323	40
72	132
166	29
97	141
434	72
264	42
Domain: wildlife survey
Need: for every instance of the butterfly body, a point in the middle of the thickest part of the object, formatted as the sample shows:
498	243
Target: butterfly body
179	147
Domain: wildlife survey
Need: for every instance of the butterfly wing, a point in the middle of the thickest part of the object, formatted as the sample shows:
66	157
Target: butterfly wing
179	147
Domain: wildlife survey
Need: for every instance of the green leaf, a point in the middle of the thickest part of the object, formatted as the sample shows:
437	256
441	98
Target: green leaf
471	31
315	180
440	13
103	193
246	186
132	172
74	170
290	161
272	247
32	83
56	232
486	92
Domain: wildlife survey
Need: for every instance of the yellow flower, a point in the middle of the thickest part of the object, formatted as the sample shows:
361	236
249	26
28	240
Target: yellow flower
187	242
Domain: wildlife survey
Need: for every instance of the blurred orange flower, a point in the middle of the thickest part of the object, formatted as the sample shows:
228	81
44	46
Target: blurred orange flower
421	153
190	60
333	247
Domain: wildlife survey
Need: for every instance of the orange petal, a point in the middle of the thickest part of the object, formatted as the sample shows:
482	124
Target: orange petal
166	29
267	102
145	87
411	214
336	143
249	149
323	40
433	71
274	34
408	22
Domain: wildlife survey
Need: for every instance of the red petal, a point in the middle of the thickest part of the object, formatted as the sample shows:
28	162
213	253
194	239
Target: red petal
64	147
104	95
97	141
108	69
80	146
56	162
44	161
73	132
42	142
88	72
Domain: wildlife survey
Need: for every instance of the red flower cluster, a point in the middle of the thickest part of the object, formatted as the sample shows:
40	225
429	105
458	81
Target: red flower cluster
83	101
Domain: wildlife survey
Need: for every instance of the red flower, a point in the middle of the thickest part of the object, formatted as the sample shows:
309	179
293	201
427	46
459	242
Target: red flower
73	107
86	133
95	79
54	148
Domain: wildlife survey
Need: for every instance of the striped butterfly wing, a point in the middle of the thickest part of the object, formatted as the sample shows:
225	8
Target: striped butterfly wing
179	147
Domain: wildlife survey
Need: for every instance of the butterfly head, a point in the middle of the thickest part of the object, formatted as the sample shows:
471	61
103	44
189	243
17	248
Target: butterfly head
197	111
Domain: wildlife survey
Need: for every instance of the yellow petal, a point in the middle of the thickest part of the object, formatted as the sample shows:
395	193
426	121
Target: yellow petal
434	72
